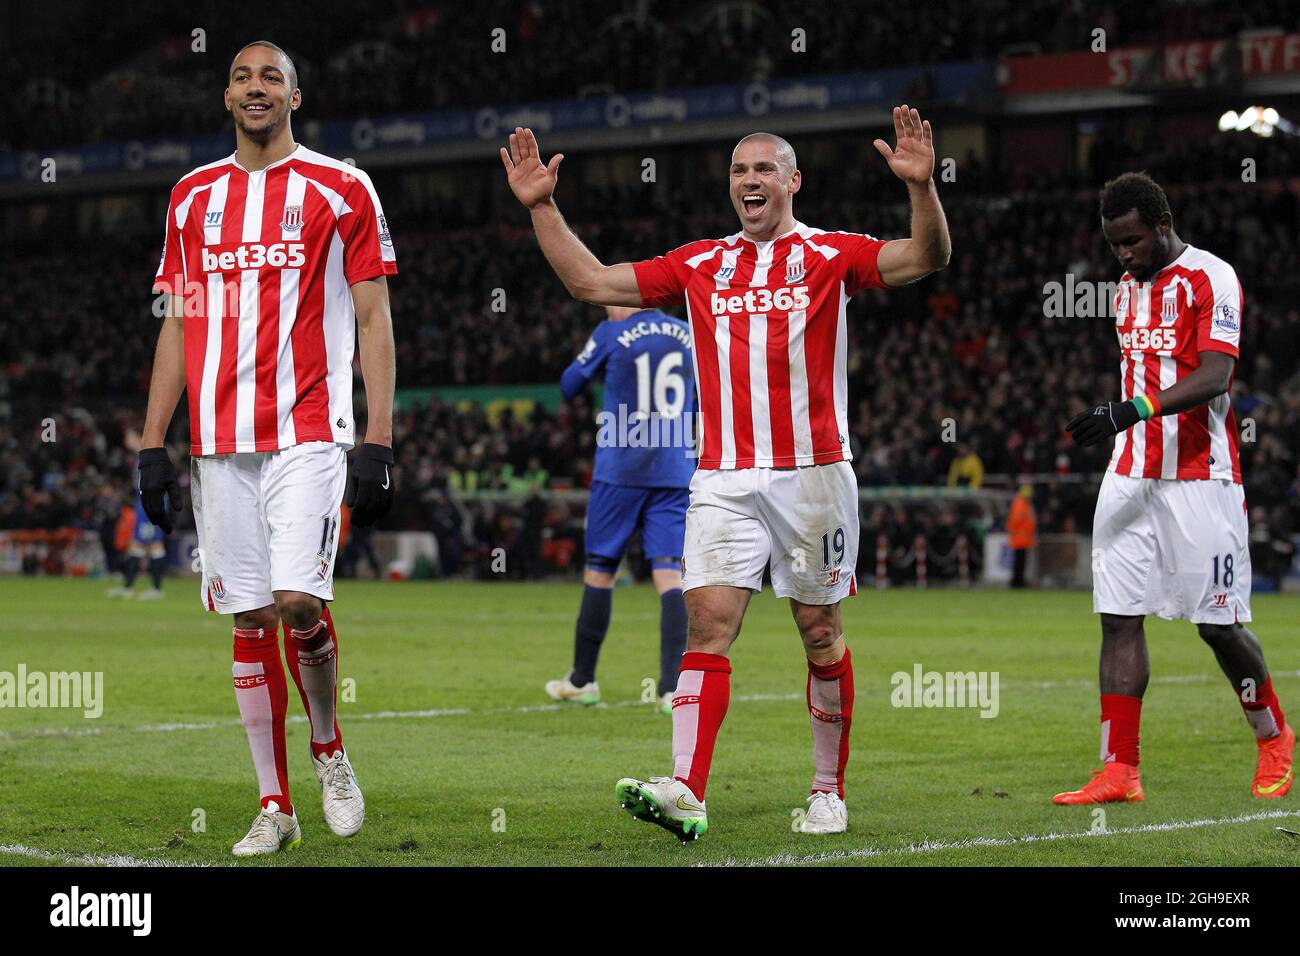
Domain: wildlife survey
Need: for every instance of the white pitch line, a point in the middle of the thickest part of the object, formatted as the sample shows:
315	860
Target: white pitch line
933	846
86	859
376	715
537	709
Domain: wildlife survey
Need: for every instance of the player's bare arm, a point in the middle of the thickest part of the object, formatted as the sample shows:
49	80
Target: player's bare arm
159	489
378	361
370	488
1210	380
912	160
168	378
585	276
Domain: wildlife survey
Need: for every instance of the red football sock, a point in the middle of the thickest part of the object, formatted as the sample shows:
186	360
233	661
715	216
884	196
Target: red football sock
314	663
1121	718
830	709
263	697
1264	712
699	706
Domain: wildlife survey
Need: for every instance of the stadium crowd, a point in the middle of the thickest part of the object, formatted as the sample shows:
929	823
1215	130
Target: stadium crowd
415	57
970	363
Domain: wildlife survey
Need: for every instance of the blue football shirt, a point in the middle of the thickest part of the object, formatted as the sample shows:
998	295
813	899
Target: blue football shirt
646	430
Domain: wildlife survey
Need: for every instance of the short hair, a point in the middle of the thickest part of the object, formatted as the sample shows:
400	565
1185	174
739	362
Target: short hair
292	71
784	151
1134	191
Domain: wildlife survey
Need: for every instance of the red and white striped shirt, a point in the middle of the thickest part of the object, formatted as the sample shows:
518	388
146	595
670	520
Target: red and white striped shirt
1192	305
264	260
771	345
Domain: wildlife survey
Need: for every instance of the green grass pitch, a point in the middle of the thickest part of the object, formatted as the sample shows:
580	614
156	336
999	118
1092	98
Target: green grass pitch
463	760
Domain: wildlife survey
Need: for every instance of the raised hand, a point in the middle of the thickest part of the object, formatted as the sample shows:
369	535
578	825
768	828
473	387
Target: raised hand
530	181
912	159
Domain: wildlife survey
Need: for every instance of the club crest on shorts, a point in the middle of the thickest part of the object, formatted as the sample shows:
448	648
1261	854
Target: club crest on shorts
218	587
832	577
292	221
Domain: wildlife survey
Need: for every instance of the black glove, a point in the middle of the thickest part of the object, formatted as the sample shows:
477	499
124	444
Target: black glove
370	486
1100	422
158	478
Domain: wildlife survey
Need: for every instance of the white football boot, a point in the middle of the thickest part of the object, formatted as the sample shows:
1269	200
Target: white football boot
345	807
665	802
271	832
665	705
566	690
826	814
153	594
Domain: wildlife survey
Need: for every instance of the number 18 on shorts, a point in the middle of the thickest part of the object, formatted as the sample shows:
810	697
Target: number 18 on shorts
1175	548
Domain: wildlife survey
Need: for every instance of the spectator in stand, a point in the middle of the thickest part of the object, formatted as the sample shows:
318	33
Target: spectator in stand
966	470
976	347
1022	532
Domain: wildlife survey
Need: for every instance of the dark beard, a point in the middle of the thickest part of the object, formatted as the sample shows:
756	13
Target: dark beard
261	136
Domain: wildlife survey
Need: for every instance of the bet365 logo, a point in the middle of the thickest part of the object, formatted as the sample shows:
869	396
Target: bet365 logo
254	255
760	301
1146	339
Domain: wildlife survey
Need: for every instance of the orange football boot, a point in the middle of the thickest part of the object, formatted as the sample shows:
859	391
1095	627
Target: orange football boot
1114	783
1273	773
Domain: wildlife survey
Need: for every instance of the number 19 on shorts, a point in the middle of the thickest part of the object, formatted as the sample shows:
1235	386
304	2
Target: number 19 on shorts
832	543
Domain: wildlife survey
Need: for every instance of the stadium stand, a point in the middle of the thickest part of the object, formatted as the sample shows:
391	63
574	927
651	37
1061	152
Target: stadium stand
973	345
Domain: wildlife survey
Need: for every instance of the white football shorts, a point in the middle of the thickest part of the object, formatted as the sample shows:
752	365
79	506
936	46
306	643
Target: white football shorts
1177	549
803	521
267	521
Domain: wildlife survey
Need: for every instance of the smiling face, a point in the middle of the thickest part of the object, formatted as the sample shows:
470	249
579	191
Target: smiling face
262	92
1141	249
763	183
